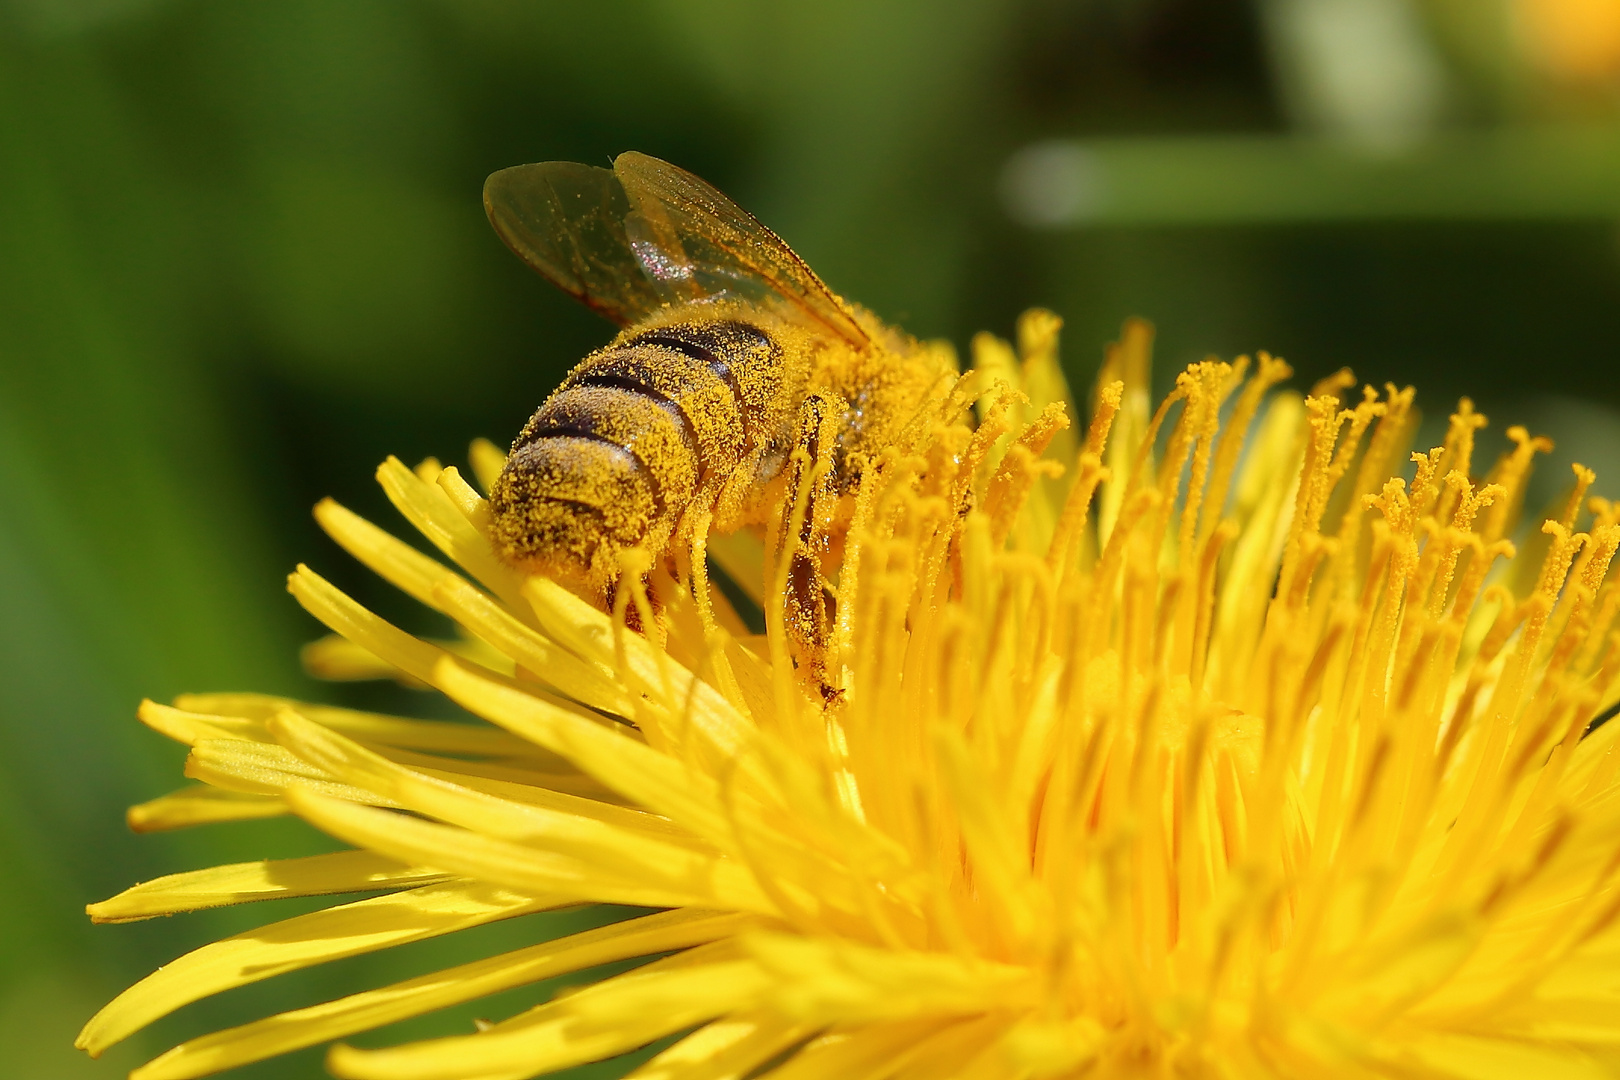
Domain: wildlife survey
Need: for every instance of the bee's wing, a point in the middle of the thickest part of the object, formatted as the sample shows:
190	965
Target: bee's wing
568	222
627	241
698	243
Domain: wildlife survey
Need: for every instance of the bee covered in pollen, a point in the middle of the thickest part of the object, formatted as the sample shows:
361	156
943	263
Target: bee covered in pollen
741	392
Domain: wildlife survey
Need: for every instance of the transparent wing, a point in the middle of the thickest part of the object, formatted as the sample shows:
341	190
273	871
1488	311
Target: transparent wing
568	222
726	249
647	233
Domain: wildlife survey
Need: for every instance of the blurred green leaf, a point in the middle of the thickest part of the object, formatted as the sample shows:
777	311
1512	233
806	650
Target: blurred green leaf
1528	174
360	277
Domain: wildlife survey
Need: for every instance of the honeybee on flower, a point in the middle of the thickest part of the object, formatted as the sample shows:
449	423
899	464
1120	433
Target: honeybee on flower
741	392
1221	738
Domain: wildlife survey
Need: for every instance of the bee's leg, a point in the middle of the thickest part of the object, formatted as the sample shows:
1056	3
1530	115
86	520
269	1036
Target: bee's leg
695	567
800	538
632	598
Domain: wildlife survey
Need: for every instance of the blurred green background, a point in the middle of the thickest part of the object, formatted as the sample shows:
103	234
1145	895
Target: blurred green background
242	258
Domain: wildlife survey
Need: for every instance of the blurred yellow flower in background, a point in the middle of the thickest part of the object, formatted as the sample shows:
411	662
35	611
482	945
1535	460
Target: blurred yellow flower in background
1577	40
1196	743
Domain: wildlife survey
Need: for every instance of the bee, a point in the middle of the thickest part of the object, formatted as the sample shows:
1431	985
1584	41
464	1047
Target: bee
738	383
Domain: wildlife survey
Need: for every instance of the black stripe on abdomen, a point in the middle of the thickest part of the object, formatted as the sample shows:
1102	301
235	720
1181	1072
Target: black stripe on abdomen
718	367
707	408
663	401
636	422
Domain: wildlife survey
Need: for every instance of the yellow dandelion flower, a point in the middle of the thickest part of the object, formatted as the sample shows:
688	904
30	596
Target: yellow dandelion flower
1246	747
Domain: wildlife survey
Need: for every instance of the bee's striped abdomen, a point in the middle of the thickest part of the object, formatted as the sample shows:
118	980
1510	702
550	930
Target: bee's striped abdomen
634	434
